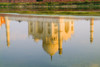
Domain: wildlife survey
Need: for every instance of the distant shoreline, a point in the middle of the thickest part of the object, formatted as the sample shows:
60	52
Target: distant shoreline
53	8
80	13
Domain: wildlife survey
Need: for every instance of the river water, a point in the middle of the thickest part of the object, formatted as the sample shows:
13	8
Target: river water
49	41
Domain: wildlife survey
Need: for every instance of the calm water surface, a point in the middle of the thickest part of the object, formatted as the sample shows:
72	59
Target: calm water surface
49	41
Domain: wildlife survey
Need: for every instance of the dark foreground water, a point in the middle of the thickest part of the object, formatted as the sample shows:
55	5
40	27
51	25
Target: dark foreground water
49	41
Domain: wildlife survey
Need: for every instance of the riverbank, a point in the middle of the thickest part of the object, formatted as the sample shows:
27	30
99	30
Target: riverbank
53	8
81	13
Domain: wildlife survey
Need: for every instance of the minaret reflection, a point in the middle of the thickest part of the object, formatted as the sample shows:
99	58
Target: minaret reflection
52	32
4	20
7	31
91	29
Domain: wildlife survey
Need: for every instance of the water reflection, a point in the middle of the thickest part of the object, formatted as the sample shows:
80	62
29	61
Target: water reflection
4	20
52	31
91	29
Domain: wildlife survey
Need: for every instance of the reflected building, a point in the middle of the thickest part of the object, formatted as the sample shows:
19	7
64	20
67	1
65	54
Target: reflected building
7	30
52	32
4	20
91	29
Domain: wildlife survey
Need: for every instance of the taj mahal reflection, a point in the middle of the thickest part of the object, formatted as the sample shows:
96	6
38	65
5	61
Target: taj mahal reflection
52	31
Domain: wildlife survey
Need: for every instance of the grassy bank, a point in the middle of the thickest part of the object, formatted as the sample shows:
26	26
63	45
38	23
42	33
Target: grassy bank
87	13
53	8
